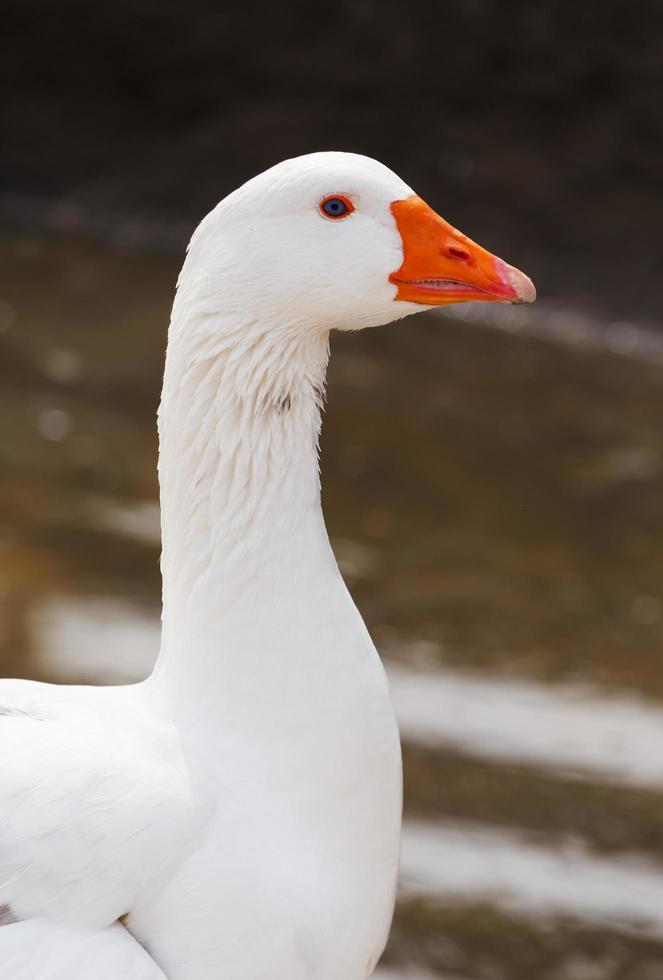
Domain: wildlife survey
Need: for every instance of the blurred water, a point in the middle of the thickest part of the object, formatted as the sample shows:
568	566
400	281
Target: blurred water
494	497
552	726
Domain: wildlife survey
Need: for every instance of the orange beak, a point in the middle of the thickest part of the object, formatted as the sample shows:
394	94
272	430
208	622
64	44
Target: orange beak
442	266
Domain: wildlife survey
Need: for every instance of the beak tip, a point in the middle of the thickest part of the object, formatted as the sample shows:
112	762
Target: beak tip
522	285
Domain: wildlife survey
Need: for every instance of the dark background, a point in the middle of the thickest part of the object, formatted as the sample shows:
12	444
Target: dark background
536	127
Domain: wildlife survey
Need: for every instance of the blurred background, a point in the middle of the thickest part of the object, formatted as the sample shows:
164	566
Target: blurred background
493	476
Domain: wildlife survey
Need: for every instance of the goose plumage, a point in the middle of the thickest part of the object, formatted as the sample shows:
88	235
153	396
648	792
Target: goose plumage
237	814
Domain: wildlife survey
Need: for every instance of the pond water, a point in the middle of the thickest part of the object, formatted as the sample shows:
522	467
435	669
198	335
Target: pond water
492	483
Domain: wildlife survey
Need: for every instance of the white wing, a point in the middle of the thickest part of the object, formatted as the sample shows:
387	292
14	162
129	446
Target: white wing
94	802
37	949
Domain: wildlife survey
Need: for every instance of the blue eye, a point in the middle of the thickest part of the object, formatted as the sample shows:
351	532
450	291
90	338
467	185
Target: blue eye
336	207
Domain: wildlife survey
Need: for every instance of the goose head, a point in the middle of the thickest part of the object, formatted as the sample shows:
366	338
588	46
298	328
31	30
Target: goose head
337	239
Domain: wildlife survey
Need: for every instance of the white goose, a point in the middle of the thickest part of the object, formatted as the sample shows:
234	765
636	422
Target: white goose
237	815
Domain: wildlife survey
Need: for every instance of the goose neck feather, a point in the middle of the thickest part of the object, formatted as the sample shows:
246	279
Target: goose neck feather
239	424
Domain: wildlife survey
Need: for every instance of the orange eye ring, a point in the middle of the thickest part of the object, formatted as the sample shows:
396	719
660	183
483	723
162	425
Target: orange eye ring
336	206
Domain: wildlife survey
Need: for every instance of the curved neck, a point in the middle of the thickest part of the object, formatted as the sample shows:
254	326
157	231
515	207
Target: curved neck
239	423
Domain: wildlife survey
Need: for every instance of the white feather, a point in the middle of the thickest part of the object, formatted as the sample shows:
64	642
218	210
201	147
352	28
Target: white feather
41	950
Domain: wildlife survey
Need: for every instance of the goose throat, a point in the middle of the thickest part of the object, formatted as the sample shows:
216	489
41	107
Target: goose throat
239	424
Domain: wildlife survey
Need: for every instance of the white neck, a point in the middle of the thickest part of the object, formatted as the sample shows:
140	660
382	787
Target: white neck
240	494
266	668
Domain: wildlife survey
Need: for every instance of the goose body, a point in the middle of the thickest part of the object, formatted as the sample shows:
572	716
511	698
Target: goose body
237	815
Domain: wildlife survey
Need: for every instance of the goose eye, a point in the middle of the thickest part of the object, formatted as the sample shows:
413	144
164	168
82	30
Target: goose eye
336	207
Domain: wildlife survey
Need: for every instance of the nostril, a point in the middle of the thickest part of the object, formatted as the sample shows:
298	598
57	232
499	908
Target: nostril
457	252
